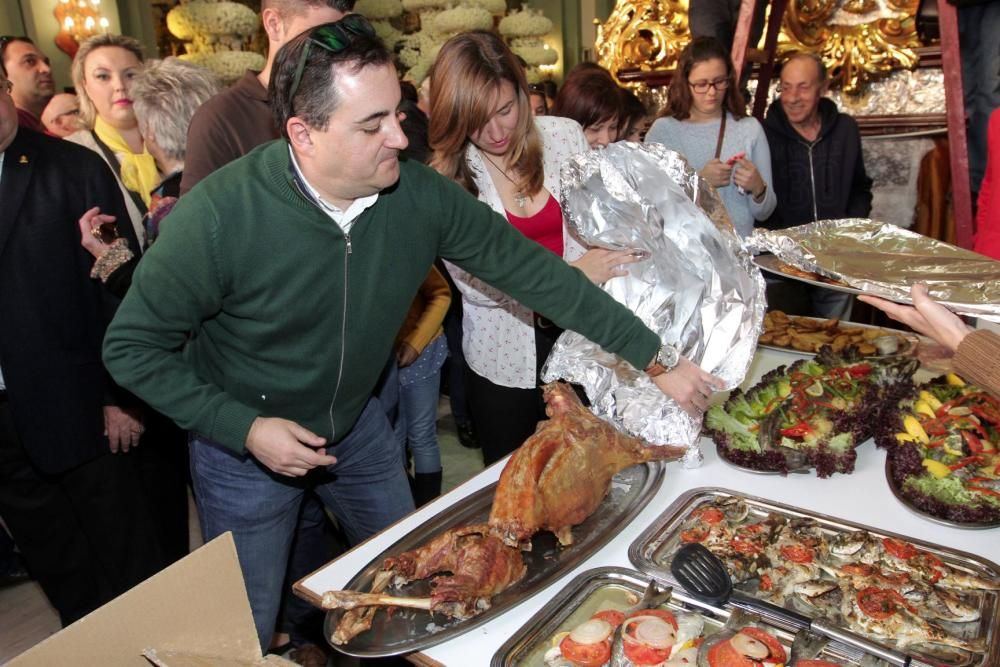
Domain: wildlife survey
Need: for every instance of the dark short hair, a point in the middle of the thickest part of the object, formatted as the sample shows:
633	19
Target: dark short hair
699	50
317	97
6	40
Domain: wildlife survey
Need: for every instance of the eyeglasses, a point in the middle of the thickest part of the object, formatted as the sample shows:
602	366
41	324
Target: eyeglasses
333	37
703	86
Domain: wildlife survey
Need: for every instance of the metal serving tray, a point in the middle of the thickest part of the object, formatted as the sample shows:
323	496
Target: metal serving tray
581	598
653	551
409	630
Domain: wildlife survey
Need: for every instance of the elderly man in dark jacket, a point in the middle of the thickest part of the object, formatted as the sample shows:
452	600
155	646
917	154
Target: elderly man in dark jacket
816	161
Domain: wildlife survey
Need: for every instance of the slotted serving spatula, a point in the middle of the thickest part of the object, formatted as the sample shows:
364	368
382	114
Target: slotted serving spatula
704	575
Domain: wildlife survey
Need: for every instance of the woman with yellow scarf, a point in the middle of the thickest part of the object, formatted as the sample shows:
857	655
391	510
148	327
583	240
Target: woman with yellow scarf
103	70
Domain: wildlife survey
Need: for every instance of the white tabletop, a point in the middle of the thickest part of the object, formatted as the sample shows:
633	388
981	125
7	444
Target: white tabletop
862	497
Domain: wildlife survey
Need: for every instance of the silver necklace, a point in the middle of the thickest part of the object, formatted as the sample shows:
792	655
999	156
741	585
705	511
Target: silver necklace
519	197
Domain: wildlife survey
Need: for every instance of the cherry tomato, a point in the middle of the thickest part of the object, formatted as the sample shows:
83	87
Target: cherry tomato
903	550
659	613
612	616
585	655
797	553
709	515
641	654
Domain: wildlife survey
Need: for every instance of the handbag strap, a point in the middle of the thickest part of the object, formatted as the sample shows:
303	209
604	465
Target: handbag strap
112	159
722	134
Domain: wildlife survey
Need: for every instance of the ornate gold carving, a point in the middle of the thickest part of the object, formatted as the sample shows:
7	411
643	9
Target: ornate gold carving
859	40
643	35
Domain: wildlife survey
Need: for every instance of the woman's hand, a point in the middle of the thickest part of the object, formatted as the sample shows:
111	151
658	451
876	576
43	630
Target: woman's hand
122	427
747	177
926	316
717	173
689	385
406	355
601	265
90	224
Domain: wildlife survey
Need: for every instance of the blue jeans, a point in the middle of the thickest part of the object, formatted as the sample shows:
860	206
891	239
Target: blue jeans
416	425
366	490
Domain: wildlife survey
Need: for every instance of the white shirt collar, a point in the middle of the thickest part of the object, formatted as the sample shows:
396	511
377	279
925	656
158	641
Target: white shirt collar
345	219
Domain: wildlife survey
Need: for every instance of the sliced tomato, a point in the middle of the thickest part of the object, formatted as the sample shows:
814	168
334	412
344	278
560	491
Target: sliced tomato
860	370
710	515
722	654
585	655
765	583
859	569
879	603
612	616
816	663
694	535
641	654
797	553
773	645
903	550
744	546
659	613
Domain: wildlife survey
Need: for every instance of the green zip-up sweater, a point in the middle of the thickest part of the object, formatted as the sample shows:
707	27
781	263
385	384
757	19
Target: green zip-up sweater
253	302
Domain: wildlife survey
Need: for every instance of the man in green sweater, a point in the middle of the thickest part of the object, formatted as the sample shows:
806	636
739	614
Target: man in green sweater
262	316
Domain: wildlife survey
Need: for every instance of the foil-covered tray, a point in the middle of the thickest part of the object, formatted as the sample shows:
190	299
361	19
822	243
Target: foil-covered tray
905	502
408	630
653	551
885	260
620	587
772	264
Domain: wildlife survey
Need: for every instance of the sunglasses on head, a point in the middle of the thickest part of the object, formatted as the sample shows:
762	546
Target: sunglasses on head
332	37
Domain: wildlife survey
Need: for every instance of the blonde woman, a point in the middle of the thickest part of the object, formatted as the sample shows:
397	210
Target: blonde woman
103	70
483	136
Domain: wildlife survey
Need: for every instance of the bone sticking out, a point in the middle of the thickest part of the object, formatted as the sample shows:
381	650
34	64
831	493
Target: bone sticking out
352	599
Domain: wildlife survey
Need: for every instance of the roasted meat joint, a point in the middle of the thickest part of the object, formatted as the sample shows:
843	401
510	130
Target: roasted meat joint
553	482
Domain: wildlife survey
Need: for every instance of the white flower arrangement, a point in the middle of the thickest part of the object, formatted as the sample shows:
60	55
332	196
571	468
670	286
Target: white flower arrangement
389	35
200	19
420	5
535	54
525	23
422	67
379	10
494	7
459	19
533	75
228	65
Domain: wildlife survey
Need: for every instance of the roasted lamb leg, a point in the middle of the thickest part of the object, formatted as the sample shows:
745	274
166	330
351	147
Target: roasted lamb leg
559	476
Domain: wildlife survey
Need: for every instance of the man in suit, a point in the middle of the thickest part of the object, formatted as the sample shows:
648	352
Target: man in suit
70	500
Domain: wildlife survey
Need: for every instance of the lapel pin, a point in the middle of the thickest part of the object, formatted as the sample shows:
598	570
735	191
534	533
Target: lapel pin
23	160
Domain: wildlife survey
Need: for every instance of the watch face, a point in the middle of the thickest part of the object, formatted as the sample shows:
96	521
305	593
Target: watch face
669	356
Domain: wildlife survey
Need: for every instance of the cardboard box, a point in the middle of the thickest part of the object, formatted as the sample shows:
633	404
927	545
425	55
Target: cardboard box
195	613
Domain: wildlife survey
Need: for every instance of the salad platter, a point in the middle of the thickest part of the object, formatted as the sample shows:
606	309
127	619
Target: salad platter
937	604
811	414
943	440
668	628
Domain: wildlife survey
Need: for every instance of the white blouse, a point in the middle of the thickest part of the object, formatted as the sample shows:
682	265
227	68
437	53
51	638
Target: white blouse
498	336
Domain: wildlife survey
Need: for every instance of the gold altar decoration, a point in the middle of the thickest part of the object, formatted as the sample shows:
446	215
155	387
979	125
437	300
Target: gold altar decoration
859	40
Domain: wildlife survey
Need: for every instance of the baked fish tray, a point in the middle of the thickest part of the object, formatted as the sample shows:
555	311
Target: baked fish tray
409	630
617	588
939	605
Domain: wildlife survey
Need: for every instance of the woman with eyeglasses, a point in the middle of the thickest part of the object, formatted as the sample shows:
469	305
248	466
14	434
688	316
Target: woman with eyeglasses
706	121
483	136
103	70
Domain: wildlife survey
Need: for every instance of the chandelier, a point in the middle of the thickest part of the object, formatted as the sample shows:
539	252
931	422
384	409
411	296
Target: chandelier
78	20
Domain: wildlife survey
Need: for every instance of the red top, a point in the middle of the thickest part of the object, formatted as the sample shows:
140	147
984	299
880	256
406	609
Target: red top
544	227
988	217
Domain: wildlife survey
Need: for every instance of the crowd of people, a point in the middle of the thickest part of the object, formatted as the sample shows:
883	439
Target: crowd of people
247	291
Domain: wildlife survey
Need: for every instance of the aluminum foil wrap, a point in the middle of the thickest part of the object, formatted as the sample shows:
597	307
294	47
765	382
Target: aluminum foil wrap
885	260
698	287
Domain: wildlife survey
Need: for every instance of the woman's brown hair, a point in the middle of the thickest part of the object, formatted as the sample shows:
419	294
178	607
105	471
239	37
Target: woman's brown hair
589	96
699	50
465	80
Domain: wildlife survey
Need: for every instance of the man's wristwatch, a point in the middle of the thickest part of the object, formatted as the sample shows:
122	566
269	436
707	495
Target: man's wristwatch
665	360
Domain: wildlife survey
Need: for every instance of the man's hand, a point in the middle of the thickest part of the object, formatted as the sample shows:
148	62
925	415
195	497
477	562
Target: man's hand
122	427
406	355
286	447
89	222
689	385
926	316
601	265
747	177
717	173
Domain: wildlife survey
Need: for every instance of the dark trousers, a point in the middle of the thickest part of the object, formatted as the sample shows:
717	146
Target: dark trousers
161	461
504	417
85	534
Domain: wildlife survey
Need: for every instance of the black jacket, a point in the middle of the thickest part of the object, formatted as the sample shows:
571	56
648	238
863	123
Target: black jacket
821	180
52	314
